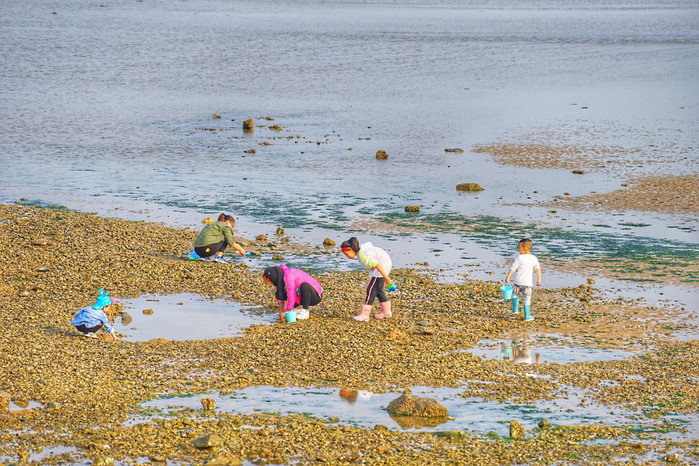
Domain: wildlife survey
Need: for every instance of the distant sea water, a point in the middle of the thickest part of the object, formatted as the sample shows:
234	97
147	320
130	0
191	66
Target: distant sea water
108	106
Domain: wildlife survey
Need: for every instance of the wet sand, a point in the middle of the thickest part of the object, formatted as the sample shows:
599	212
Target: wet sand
55	260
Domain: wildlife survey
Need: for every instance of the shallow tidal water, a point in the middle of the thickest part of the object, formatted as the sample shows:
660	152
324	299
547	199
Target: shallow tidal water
109	108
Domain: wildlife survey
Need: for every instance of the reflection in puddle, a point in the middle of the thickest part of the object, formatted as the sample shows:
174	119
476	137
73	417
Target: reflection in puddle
538	349
366	409
184	317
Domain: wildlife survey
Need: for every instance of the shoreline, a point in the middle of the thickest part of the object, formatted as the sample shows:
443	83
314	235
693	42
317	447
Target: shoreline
55	261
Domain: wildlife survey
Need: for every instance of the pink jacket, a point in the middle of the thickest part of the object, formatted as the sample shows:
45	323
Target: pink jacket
294	278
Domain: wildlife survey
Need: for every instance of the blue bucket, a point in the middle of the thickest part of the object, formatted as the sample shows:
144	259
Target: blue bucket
290	316
507	292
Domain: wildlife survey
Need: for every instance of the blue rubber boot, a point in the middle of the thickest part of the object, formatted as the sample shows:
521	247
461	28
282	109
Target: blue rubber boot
527	315
515	306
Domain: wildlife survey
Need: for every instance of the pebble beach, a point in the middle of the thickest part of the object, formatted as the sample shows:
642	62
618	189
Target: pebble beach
83	392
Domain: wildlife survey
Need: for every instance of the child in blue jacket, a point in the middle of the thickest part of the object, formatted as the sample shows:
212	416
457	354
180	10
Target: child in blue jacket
90	319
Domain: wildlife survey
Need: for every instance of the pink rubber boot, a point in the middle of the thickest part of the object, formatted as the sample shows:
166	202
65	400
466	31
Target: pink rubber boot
364	315
385	310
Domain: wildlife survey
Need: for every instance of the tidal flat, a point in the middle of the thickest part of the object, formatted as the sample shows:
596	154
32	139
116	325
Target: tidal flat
83	401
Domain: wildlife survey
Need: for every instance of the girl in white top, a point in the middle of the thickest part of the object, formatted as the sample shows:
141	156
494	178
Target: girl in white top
378	263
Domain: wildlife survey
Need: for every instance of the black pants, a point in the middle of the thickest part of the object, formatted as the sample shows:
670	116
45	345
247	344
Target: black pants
211	249
309	296
83	329
375	290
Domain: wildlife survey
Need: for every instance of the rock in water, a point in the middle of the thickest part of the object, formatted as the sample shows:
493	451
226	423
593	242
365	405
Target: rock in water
516	430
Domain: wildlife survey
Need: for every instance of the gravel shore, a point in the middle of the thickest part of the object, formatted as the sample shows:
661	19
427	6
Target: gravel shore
54	261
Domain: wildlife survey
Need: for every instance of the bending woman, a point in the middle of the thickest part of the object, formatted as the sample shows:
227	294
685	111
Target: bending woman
215	237
295	287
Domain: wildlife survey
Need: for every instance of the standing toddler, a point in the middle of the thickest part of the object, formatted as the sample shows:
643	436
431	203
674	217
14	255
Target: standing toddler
524	265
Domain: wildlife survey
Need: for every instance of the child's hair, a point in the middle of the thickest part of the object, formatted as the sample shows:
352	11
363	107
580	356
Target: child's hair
226	218
526	244
352	243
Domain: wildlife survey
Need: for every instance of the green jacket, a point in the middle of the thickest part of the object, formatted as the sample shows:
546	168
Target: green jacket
214	233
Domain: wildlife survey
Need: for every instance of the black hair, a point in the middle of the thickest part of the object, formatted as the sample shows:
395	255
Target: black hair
226	218
352	243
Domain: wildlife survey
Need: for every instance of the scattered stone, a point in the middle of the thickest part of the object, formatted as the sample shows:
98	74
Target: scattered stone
381	428
148	312
412	208
207	220
544	424
249	125
20	400
468	187
103	461
381	155
126	319
672	458
280	231
455	149
590	281
43	269
276	128
208	404
5	399
216	116
451	434
516	430
277	257
261	238
207	441
578	172
328	242
40	241
251	151
224	460
409	405
53	405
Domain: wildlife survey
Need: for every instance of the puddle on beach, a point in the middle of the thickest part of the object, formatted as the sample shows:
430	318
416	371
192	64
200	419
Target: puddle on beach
540	349
184	317
366	409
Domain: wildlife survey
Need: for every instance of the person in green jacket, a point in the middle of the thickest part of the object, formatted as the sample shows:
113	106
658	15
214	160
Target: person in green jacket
215	237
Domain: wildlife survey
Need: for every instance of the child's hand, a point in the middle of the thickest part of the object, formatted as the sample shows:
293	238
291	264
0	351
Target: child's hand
538	282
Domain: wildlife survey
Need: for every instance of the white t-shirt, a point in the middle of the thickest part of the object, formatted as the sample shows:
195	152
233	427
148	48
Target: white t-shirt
522	269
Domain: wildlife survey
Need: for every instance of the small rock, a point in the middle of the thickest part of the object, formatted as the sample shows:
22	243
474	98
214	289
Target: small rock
261	237
544	424
381	428
207	220
208	403
224	460
468	187
251	151
578	172
207	441
216	116
52	405
4	402
275	128
409	405
516	430
451	434
328	242
42	269
590	281
103	461
381	155
277	257
148	312
20	400
455	149
126	319
280	231
249	125
672	458
412	208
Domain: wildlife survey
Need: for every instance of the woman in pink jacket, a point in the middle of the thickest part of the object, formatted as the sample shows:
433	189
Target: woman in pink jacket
295	287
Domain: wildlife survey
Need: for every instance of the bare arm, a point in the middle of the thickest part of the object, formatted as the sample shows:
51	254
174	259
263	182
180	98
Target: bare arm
509	274
538	277
383	274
